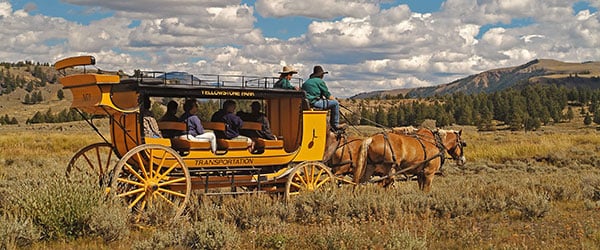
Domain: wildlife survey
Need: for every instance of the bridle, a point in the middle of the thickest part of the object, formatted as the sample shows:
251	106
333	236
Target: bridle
460	144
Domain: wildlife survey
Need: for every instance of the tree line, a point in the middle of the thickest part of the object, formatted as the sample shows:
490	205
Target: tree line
517	109
65	115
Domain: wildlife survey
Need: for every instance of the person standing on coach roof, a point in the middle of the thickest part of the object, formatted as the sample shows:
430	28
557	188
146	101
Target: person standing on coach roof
316	90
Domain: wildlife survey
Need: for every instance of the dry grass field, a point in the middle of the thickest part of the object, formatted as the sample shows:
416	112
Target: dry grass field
518	190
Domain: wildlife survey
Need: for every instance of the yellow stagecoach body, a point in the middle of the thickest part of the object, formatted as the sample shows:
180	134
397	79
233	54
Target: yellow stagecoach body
304	131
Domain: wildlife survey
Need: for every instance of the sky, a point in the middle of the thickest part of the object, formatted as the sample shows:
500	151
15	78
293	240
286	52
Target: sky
365	45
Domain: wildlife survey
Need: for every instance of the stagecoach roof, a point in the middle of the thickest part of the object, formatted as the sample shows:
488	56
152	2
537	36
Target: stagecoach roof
212	91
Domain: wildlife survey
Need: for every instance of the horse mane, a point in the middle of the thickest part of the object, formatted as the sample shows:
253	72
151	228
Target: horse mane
404	130
444	132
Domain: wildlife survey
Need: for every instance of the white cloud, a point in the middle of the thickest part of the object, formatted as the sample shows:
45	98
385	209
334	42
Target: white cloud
363	46
323	9
5	9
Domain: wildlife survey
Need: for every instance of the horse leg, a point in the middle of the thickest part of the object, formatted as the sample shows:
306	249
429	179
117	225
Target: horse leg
390	179
421	180
427	179
369	169
427	176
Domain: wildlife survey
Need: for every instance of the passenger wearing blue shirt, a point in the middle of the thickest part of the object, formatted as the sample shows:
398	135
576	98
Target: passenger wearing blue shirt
195	130
233	123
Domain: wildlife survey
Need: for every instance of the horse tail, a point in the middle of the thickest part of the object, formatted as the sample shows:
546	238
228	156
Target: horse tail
361	160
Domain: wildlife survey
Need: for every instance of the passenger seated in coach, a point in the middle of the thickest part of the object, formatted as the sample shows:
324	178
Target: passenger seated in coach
257	116
150	125
233	123
195	130
170	116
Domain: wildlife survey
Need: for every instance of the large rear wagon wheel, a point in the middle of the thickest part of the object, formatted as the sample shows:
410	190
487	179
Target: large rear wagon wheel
152	175
308	177
92	163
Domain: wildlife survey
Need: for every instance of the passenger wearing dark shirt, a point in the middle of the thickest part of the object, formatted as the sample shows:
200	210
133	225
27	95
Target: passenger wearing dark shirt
171	114
257	116
233	123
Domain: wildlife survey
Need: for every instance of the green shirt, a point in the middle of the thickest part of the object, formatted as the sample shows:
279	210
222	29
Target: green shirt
315	88
283	84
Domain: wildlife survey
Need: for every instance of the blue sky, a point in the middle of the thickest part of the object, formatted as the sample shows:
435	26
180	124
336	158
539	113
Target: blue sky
365	44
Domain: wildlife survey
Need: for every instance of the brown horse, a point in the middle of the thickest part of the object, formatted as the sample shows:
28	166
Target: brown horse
341	153
421	154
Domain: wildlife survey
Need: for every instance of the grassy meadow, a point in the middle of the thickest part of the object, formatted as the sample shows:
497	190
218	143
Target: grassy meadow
518	190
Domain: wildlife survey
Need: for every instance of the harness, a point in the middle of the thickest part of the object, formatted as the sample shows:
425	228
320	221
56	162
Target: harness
344	148
437	142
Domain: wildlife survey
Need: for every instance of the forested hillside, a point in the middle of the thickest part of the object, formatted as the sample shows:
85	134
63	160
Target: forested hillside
528	108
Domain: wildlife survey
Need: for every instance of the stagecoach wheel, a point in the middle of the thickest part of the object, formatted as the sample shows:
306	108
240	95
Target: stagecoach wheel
92	163
308	177
152	175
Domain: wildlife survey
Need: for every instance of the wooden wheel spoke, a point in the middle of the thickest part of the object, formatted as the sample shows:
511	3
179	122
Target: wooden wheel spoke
162	162
132	171
305	174
297	185
132	192
316	178
140	161
99	160
150	162
182	179
319	184
110	152
135	183
137	200
89	162
302	179
143	206
171	192
163	175
166	199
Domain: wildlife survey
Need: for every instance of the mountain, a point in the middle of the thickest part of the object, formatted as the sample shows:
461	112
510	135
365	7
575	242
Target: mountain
544	71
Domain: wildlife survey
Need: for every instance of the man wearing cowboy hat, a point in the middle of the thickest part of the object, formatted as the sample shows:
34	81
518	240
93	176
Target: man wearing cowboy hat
315	89
285	77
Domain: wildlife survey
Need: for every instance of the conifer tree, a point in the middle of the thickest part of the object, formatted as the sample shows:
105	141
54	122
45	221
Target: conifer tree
570	114
596	116
392	117
380	116
39	98
587	120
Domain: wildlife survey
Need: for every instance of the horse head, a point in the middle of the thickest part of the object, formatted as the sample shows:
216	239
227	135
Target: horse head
454	145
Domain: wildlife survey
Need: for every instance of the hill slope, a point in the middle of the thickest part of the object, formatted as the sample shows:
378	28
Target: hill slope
545	71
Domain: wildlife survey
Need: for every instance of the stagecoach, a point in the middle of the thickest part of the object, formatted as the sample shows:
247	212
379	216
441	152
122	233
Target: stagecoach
146	171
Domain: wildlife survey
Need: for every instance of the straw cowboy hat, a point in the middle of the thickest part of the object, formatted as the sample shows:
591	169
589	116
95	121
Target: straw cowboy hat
288	70
318	71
